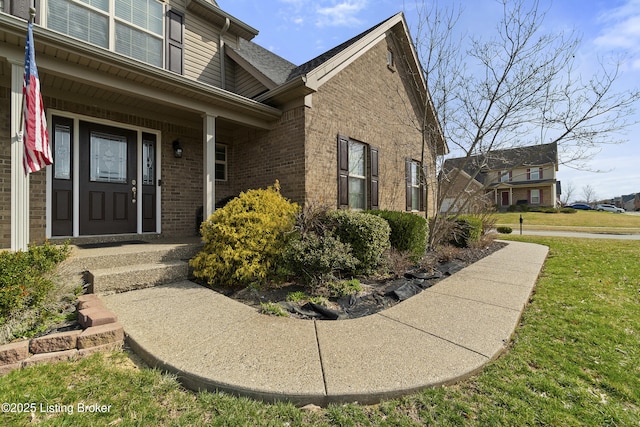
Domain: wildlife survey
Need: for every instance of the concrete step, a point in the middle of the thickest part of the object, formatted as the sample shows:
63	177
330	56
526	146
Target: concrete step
131	277
121	256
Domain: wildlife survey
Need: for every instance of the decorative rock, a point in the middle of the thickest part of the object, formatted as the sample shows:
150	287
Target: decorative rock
57	356
14	352
54	342
100	335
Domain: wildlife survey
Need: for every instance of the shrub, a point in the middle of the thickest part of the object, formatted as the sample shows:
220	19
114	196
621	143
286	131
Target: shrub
568	210
409	231
244	241
367	234
23	276
504	230
467	229
315	259
543	209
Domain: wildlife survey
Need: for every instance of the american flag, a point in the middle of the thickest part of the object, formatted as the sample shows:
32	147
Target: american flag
37	151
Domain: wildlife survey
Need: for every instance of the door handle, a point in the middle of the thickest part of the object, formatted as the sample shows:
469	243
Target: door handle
134	190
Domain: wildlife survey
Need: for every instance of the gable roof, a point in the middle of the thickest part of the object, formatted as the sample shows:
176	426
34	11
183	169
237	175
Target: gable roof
286	82
479	165
324	57
270	69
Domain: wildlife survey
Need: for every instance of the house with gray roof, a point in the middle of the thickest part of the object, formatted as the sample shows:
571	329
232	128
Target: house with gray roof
502	178
154	127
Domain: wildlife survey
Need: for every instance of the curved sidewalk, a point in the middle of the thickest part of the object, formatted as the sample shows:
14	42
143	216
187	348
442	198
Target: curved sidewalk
446	333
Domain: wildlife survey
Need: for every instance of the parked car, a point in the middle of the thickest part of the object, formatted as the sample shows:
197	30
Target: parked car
581	206
609	208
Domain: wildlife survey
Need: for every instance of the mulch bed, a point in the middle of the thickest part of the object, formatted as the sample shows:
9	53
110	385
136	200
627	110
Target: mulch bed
377	294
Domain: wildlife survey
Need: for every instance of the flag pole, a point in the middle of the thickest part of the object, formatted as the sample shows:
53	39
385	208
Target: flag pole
32	17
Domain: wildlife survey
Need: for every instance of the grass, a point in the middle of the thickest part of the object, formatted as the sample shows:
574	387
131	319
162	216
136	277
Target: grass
584	221
575	360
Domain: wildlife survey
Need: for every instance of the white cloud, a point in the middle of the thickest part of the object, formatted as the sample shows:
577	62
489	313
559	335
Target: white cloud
323	13
621	30
339	14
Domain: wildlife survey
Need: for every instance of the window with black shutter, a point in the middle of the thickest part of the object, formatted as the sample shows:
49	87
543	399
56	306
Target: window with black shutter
358	175
415	188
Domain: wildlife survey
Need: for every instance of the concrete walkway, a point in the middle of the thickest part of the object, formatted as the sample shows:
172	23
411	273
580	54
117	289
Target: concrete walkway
448	332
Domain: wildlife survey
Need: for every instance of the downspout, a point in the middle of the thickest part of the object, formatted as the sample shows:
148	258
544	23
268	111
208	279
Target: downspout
225	28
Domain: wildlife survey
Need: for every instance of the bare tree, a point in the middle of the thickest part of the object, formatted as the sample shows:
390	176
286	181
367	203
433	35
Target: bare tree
519	87
589	194
567	192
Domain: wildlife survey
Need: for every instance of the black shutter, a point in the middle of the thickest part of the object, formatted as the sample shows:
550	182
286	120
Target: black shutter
175	42
423	188
343	172
407	177
375	178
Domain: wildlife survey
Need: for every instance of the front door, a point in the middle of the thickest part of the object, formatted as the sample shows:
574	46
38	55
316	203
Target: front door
505	198
107	180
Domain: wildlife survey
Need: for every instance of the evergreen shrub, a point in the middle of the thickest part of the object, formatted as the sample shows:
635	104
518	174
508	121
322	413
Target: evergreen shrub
409	232
315	259
367	234
244	240
504	230
568	210
23	277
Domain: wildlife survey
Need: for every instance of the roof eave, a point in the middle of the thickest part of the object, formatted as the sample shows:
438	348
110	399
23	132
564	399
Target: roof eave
52	39
215	14
293	89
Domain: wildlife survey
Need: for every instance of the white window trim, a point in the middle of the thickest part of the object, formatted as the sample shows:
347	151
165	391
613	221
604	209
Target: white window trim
77	118
112	19
532	171
536	197
417	185
360	177
224	162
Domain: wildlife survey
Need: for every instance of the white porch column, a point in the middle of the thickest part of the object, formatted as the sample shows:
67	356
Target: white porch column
209	164
19	180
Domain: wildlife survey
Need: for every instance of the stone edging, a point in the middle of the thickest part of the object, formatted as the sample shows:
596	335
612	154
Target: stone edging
101	332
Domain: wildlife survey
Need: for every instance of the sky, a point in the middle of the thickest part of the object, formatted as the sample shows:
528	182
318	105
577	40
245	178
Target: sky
299	30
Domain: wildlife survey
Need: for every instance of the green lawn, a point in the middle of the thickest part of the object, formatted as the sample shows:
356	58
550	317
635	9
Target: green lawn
587	221
575	360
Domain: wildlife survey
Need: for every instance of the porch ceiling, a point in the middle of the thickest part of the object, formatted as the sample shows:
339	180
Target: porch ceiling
69	67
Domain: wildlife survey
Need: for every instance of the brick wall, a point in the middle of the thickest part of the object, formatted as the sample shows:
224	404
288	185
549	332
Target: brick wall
257	158
370	103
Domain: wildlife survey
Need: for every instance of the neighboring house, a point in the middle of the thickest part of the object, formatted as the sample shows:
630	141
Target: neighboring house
155	114
631	202
517	176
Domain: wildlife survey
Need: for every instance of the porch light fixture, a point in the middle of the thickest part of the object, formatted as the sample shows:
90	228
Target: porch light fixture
177	149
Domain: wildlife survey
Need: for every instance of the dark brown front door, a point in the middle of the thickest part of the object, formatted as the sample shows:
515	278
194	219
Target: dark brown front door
107	180
505	198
